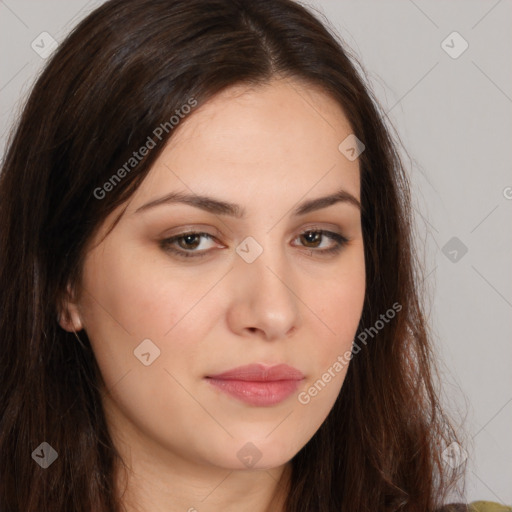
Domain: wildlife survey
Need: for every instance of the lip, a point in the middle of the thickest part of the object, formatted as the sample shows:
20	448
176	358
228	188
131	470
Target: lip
258	384
260	373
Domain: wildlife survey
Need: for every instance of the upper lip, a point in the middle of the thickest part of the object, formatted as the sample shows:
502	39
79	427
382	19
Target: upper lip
260	373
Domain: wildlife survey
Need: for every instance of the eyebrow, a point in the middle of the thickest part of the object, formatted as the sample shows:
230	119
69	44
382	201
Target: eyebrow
219	207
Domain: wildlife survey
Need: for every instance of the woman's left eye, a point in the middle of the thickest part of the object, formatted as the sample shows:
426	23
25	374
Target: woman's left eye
187	243
337	241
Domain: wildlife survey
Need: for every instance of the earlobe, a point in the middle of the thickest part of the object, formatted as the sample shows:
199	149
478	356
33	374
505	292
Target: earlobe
68	314
70	319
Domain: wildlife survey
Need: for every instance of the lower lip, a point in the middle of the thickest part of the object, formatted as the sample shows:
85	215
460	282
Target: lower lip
257	393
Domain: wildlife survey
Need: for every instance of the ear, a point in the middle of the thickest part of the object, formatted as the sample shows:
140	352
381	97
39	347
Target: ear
68	313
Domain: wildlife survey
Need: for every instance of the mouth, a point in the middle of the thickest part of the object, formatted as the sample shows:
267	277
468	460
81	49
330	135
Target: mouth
257	384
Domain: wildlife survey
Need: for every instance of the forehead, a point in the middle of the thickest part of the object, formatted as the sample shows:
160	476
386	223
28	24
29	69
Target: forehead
282	113
281	136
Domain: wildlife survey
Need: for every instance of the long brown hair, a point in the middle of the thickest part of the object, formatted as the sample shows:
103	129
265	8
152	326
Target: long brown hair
124	71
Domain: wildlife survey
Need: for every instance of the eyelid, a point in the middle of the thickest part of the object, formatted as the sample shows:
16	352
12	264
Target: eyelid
193	228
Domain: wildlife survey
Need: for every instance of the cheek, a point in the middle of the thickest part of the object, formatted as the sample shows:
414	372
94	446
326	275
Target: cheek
340	319
132	294
122	306
132	298
339	307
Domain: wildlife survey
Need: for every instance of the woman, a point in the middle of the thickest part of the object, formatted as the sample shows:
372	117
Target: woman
210	299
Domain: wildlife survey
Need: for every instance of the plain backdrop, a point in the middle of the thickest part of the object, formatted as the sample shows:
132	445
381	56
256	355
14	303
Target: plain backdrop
442	72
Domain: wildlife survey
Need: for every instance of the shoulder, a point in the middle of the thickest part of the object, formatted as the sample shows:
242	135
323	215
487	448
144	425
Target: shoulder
488	506
476	506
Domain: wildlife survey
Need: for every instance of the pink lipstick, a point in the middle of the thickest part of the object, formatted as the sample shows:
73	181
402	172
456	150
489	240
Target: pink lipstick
257	384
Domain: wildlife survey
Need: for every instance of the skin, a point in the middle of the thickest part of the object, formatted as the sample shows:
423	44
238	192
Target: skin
266	148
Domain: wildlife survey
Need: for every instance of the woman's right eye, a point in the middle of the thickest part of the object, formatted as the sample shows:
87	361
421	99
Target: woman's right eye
187	242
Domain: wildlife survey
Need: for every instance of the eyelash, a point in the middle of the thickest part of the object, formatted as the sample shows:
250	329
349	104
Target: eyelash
340	240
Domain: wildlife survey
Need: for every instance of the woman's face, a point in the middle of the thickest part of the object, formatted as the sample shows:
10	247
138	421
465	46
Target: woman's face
261	287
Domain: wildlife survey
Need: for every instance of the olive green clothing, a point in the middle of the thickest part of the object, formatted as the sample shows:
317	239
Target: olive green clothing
488	506
476	506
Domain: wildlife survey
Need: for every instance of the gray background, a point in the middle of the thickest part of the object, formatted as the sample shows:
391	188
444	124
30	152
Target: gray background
453	117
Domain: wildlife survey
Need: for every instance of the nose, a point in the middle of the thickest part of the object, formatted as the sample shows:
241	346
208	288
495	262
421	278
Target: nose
264	301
